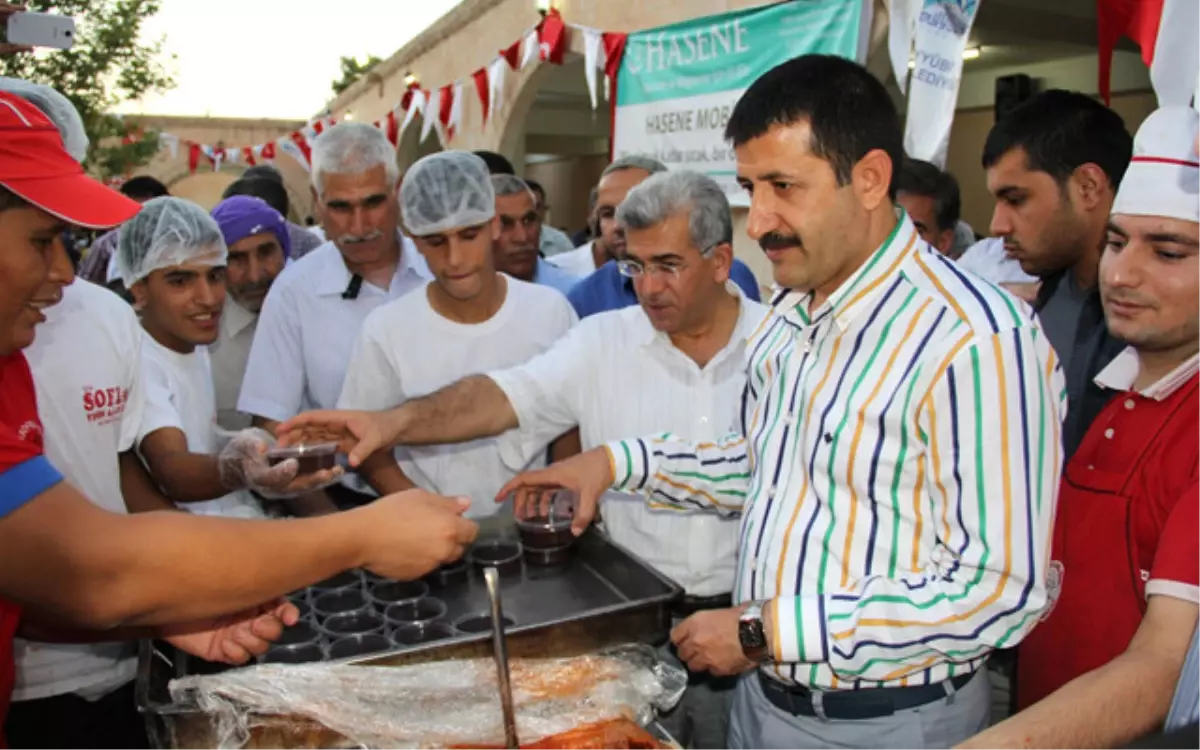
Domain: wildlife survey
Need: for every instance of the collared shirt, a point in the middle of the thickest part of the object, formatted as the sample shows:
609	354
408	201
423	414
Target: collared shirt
607	289
1121	373
553	241
987	260
229	354
95	264
897	467
303	241
306	331
614	375
578	262
1185	707
548	274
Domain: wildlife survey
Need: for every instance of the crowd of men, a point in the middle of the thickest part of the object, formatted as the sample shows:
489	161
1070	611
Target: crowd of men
924	451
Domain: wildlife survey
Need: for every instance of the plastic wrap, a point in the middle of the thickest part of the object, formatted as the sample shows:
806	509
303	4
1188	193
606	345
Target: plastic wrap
440	704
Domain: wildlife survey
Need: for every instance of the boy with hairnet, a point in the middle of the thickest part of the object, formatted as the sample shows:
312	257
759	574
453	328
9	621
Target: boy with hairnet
470	319
172	259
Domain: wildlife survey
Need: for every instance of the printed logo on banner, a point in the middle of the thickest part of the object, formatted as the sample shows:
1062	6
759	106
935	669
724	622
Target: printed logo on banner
677	84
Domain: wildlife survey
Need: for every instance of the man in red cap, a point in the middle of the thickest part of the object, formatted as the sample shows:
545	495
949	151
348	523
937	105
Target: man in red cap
73	561
1101	668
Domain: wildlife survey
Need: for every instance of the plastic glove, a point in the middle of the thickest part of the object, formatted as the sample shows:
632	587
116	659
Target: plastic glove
243	463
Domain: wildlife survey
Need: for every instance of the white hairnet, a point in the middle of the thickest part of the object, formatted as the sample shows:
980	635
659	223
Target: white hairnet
168	232
57	108
446	190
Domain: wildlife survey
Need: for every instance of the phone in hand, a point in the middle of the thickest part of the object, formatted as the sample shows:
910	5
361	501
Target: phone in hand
33	29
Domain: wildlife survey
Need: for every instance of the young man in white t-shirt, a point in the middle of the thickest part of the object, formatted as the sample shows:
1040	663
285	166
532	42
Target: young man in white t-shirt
172	259
470	319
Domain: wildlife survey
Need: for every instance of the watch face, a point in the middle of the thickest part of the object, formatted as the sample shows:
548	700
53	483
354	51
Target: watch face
751	635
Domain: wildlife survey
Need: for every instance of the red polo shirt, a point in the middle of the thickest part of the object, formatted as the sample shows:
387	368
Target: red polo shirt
24	474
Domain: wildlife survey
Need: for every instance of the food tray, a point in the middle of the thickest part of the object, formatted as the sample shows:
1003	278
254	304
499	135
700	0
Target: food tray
602	597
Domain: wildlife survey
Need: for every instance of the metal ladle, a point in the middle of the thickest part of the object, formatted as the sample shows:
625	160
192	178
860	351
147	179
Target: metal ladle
500	651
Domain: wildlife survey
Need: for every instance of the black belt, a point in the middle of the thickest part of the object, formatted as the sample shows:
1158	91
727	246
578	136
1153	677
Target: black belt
868	703
687	606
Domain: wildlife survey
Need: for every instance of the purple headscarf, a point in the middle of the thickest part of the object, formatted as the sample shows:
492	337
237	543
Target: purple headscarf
241	216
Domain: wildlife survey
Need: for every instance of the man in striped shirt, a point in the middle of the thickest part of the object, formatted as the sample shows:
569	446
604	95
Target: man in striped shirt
898	458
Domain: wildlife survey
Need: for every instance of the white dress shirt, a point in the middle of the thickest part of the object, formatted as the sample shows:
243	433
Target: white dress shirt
86	365
614	375
229	354
306	331
579	262
408	350
179	395
987	260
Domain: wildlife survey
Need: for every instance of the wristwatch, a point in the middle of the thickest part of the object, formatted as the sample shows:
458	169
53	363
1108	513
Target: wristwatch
752	635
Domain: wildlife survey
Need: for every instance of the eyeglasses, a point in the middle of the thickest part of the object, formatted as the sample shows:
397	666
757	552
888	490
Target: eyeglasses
634	269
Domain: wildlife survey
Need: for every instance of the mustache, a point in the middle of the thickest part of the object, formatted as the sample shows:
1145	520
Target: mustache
779	241
356	239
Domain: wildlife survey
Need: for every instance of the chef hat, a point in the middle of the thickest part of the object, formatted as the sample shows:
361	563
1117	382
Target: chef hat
1163	178
168	232
446	190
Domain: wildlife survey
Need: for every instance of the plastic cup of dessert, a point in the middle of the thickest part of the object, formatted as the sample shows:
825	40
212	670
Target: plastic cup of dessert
414	634
309	458
387	593
344	602
301	653
449	574
479	622
359	645
352	623
420	612
549	527
501	554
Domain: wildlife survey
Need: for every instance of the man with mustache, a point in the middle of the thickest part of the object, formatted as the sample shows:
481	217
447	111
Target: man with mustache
607	288
1053	166
1101	668
316	307
259	245
73	562
884	554
675	362
519	229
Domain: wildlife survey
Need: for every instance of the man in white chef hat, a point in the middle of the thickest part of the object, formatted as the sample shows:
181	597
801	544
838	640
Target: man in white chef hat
1101	668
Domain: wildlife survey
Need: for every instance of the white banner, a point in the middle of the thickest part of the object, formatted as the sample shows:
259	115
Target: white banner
942	30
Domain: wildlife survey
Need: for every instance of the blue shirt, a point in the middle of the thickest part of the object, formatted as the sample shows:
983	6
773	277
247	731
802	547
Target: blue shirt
1185	709
548	274
607	289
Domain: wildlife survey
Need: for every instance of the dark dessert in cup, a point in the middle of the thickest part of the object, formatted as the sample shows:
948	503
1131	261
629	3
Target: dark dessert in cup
309	458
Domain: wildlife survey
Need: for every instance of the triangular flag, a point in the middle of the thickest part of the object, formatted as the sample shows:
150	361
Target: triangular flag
614	51
484	91
290	145
233	155
1175	71
248	155
552	38
512	55
267	151
416	104
1136	19
530	47
171	142
393	128
456	110
193	157
445	98
496	72
318	127
432	109
593	51
218	157
301	142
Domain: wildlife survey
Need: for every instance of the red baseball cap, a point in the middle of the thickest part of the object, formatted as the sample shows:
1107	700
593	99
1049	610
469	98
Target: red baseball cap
35	165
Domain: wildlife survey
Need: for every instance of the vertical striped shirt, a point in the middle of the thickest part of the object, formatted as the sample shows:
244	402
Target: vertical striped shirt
896	472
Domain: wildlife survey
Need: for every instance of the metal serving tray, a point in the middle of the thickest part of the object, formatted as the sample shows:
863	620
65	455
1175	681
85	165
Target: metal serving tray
603	596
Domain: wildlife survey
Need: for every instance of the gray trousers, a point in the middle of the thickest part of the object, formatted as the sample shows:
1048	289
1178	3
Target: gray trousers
701	718
757	723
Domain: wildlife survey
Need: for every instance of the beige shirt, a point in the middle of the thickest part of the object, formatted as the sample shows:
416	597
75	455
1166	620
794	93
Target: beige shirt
229	354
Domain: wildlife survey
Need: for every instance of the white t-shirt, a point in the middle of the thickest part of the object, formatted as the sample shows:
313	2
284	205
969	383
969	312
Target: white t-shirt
179	394
613	374
407	350
86	371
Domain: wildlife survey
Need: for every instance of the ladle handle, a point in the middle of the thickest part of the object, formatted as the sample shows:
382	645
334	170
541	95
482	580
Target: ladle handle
500	651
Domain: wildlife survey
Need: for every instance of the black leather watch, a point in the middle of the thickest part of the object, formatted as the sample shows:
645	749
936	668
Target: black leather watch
752	635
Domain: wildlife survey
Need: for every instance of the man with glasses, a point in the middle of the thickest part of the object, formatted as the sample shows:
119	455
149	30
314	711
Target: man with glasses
676	363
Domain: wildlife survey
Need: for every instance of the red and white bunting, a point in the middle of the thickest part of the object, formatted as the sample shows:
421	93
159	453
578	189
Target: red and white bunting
552	38
484	91
593	60
496	73
531	47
